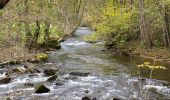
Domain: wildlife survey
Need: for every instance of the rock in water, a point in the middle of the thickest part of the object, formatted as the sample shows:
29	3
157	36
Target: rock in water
20	70
116	99
59	82
50	72
8	98
5	80
52	78
86	98
79	74
42	89
29	84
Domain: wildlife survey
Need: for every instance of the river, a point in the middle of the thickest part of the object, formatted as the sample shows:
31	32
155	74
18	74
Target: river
111	75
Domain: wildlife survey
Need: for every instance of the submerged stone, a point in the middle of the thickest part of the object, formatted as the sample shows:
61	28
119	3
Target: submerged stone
29	84
71	77
42	89
52	78
59	83
116	99
50	72
79	74
5	80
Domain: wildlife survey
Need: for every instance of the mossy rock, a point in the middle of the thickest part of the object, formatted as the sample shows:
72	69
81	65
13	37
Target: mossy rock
53	43
42	57
42	89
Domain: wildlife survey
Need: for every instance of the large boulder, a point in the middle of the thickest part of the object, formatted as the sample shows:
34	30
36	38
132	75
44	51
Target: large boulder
5	80
50	72
42	89
79	74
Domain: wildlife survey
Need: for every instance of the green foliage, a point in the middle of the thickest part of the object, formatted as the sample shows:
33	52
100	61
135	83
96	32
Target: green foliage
41	57
63	17
114	26
148	65
91	38
118	22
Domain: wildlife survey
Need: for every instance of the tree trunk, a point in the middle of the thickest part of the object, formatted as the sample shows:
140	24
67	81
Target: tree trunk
166	34
47	33
143	28
3	3
27	27
36	34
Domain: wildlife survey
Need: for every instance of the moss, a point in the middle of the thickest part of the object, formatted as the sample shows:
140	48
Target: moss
41	57
53	43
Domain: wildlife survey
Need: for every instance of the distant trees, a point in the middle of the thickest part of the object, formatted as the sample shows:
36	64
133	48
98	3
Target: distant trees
40	20
119	21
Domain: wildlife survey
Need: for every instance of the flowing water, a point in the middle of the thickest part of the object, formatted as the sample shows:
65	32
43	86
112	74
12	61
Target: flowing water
111	75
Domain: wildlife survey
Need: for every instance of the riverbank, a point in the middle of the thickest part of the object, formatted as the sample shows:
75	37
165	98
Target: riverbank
159	54
21	54
15	54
